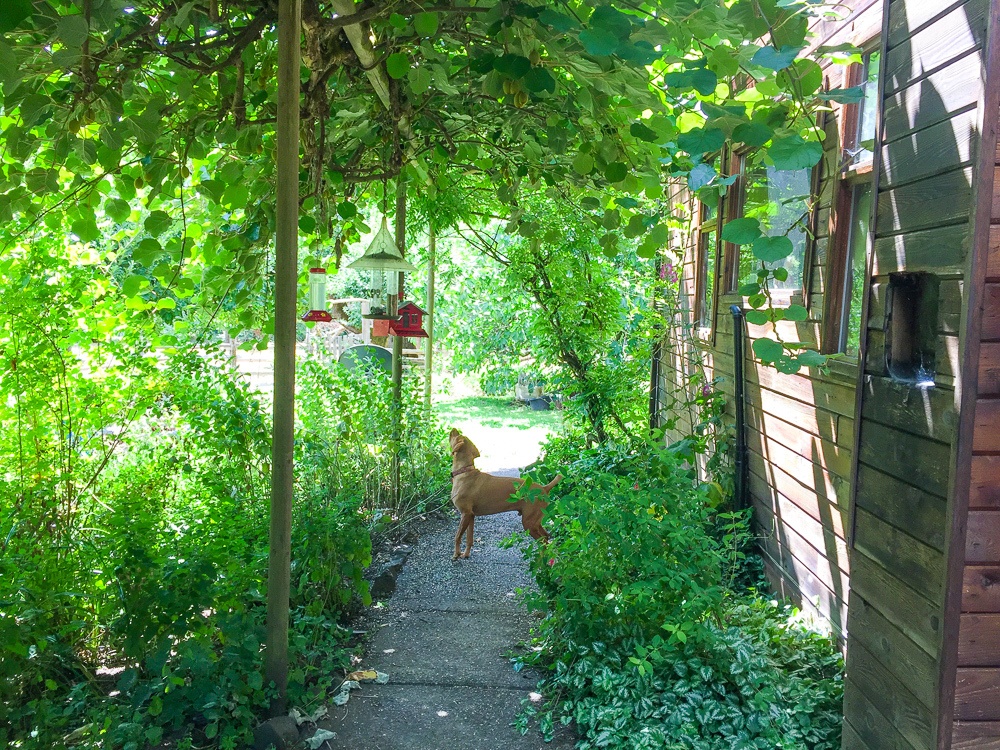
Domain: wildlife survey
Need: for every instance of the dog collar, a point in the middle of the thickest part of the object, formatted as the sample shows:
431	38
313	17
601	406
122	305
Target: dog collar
461	471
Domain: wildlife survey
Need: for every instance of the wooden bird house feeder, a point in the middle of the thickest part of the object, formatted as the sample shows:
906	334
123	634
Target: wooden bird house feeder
384	262
317	297
410	322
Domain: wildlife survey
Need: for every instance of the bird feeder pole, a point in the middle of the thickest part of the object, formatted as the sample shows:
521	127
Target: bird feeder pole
285	318
397	342
429	352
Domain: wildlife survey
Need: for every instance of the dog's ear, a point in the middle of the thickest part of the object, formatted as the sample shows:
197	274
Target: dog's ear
454	433
458	445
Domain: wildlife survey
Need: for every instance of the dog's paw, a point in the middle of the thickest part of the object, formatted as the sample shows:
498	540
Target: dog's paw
466	555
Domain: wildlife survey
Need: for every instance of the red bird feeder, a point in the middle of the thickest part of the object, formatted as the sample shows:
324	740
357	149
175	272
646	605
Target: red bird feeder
410	322
317	297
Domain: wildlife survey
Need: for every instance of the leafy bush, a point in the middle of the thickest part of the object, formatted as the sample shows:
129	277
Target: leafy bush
133	611
647	643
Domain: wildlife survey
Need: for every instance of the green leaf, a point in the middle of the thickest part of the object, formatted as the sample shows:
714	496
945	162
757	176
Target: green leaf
701	176
117	210
757	317
772	249
642	132
611	20
853	95
512	66
583	164
307	224
86	229
157	222
419	80
425	24
811	358
767	350
615	171
212	729
397	65
741	231
793	152
166	303
704	81
347	210
748	289
701	140
557	21
780	274
130	287
72	30
147	252
599	42
538	80
796	313
775	59
753	134
12	12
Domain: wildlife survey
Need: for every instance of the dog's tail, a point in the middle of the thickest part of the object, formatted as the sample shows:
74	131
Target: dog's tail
552	484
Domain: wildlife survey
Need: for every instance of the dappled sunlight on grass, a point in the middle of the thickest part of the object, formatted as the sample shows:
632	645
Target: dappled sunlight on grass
507	434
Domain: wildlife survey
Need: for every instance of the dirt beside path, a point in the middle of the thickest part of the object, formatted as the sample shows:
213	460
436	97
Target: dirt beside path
445	639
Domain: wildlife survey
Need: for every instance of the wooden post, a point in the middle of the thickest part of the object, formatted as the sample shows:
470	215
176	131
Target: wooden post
429	353
397	344
285	280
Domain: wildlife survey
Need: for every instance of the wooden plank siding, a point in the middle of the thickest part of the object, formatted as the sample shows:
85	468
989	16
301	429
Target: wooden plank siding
899	662
853	475
977	664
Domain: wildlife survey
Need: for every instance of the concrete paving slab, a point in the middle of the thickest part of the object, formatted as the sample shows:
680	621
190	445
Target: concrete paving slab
445	639
405	717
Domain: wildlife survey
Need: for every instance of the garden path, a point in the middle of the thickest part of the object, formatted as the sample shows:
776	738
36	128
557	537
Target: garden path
445	639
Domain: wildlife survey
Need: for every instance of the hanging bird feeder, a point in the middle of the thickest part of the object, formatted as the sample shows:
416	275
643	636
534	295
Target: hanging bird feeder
384	262
410	322
317	297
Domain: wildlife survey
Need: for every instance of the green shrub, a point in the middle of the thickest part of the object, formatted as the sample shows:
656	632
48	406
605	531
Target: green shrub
646	638
135	612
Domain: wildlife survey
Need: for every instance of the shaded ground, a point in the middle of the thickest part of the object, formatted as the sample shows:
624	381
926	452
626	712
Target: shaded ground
445	639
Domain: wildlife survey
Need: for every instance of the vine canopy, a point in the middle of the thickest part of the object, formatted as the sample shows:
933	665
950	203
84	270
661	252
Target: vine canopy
149	126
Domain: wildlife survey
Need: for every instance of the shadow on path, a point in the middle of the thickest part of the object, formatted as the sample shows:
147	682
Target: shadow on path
444	639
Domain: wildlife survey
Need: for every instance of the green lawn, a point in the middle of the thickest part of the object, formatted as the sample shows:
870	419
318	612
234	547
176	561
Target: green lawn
507	434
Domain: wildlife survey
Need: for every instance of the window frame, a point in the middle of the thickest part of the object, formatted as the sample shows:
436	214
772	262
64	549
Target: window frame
732	208
702	230
849	177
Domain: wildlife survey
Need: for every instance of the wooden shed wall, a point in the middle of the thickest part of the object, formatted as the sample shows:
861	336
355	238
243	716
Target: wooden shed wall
977	679
930	125
800	428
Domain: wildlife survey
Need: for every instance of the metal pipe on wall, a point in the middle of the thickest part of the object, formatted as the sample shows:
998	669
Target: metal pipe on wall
738	375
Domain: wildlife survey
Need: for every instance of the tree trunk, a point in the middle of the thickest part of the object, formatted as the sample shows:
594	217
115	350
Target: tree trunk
397	346
285	279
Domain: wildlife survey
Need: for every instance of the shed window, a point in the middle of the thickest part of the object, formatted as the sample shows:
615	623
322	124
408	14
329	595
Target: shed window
705	265
782	202
847	268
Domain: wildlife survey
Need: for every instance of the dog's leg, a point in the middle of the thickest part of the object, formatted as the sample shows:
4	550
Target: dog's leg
462	526
532	523
468	537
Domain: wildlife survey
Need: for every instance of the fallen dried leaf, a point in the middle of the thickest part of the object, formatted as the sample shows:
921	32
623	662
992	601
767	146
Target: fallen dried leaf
363	675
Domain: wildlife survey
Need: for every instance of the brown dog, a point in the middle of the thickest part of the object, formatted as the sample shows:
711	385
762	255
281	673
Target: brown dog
474	493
